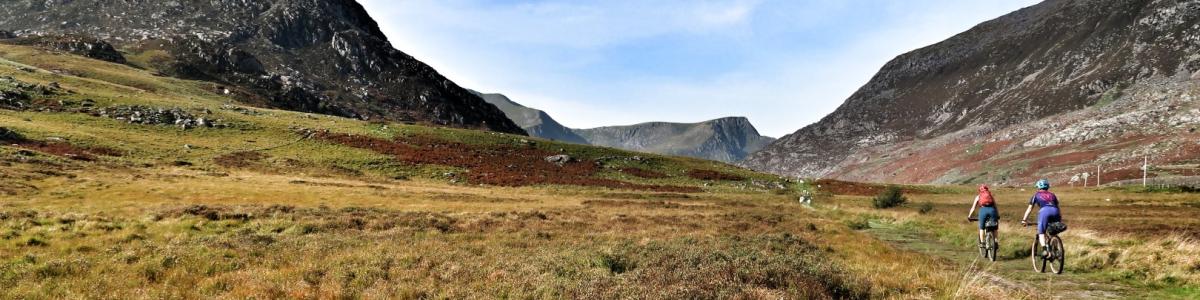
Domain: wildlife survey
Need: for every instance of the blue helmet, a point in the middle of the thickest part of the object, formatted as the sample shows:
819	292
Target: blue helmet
1043	184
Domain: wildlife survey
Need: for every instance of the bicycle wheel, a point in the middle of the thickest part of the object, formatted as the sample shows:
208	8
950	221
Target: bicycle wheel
983	247
1035	255
1057	254
991	245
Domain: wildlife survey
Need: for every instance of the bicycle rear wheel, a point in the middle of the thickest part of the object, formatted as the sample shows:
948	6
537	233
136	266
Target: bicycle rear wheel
983	247
1035	255
990	245
1057	254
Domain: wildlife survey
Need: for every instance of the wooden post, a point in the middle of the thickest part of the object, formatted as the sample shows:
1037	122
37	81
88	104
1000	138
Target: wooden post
1145	169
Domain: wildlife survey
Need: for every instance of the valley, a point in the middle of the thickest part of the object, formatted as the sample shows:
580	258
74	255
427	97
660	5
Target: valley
279	204
285	149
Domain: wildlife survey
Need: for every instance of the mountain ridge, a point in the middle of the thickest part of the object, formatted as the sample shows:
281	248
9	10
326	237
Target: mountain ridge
725	139
999	86
316	56
534	121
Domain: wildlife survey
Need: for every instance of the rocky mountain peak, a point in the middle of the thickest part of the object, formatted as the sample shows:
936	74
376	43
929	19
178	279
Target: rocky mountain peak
1044	61
324	56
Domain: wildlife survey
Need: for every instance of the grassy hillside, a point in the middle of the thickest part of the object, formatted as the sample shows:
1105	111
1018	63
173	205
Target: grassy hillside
117	183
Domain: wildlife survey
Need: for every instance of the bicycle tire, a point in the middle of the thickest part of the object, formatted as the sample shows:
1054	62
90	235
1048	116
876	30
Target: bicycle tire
1058	254
1035	255
990	245
982	247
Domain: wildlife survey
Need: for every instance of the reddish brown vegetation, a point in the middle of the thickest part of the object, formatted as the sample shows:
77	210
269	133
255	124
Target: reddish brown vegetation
239	159
643	173
838	187
499	165
713	175
1123	174
63	149
1060	160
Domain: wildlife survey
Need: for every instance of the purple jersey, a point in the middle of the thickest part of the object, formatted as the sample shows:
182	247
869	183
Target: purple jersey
1044	199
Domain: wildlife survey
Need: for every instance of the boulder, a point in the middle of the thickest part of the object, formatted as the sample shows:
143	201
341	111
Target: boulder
560	159
7	135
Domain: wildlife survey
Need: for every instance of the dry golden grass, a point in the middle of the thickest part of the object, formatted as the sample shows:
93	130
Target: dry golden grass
1133	243
180	233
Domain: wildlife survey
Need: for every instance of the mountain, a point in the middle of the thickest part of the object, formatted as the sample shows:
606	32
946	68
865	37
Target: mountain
1052	90
725	139
322	56
535	122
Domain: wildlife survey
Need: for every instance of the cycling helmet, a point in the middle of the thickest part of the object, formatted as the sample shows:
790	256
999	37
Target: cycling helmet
1043	184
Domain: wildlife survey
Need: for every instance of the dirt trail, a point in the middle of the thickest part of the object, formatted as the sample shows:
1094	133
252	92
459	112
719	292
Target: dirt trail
1009	271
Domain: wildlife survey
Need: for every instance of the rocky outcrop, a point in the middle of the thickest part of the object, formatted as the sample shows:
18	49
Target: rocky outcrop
7	135
535	122
982	90
725	139
78	45
174	116
323	56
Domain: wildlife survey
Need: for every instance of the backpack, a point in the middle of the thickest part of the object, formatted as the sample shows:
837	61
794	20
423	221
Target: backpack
985	197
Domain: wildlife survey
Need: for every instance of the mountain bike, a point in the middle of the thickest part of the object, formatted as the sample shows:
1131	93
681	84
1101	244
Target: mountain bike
988	246
1052	255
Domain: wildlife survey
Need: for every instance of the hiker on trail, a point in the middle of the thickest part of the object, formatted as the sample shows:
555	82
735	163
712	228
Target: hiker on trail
987	211
1048	212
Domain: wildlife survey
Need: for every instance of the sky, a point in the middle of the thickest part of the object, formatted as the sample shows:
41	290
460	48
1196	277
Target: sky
784	64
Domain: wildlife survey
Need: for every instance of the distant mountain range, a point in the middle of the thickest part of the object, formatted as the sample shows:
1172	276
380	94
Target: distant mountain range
724	139
1052	90
535	122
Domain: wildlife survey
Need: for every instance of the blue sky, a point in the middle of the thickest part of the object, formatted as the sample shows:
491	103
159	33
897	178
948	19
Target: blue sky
782	63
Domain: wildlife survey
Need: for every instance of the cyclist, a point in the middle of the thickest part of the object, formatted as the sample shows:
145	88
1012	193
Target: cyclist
987	211
1048	212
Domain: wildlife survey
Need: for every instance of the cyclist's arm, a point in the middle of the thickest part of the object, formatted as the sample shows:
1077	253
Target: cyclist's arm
973	205
1027	211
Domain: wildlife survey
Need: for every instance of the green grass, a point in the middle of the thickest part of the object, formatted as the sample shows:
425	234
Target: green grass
271	132
1111	95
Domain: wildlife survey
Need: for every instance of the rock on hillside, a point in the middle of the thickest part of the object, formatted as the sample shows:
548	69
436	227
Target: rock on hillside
1050	89
324	56
725	139
535	122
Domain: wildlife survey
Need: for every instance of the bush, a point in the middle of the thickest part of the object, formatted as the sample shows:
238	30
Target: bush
860	223
891	197
925	207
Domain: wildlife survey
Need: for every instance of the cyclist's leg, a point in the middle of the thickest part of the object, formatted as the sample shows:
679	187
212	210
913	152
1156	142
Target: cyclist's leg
1043	216
996	233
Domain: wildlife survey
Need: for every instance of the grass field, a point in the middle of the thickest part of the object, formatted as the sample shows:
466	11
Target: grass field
1121	244
277	204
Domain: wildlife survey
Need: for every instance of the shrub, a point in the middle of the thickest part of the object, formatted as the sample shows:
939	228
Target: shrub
925	207
615	263
890	197
860	223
